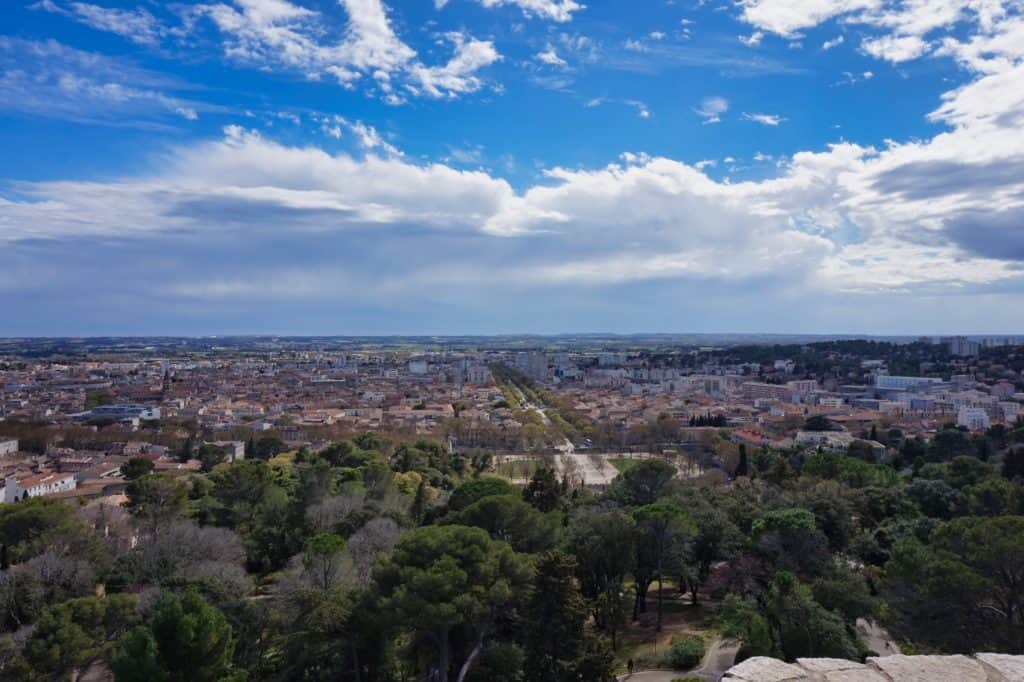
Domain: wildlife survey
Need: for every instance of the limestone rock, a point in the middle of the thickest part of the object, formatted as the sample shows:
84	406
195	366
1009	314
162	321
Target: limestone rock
764	669
823	665
902	668
1010	667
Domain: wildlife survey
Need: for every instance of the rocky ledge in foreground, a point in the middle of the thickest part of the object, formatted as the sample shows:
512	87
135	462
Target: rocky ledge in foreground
977	668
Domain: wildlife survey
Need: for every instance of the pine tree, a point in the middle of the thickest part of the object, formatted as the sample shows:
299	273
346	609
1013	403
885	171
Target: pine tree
418	510
187	448
556	613
742	469
543	491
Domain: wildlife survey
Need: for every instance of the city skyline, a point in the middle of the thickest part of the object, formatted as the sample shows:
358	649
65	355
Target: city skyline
363	167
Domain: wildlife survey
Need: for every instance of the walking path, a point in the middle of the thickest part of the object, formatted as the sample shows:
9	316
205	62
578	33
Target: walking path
876	638
719	658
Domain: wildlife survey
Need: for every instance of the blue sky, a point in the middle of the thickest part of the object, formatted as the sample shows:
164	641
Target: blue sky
485	166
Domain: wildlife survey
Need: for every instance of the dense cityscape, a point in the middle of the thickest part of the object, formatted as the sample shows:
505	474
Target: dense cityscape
512	341
680	503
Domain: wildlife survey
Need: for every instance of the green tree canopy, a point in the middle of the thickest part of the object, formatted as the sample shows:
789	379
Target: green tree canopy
439	578
508	518
668	528
602	543
185	640
323	559
136	467
544	491
643	483
75	633
157	499
788	623
468	492
555	638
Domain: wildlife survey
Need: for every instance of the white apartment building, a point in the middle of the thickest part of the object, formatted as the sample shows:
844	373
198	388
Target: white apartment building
36	485
890	382
828	440
8	446
757	389
893	406
1011	410
974	418
803	385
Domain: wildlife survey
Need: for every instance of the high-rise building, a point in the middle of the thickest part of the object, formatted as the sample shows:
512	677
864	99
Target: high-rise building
537	366
963	346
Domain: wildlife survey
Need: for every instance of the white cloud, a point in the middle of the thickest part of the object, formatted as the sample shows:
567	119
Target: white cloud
895	48
641	109
764	119
905	29
282	34
645	219
550	57
850	78
582	48
753	40
712	108
834	42
937	215
54	80
992	50
138	25
656	35
458	76
786	17
365	135
920	17
243	174
466	156
555	10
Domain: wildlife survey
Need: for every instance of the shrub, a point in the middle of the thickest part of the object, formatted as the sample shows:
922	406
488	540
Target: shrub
686	653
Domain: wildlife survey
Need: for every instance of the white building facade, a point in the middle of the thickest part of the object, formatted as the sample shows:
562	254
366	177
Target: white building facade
37	485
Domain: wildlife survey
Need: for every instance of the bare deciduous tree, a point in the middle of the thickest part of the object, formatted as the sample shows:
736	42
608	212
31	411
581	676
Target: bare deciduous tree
377	536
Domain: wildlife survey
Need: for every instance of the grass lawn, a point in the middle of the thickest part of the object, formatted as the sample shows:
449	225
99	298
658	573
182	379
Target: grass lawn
622	463
523	468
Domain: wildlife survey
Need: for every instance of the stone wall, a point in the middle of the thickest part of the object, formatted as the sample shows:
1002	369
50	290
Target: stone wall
977	668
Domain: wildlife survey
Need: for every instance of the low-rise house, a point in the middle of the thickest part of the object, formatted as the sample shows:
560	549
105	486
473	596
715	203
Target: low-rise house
233	449
37	485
